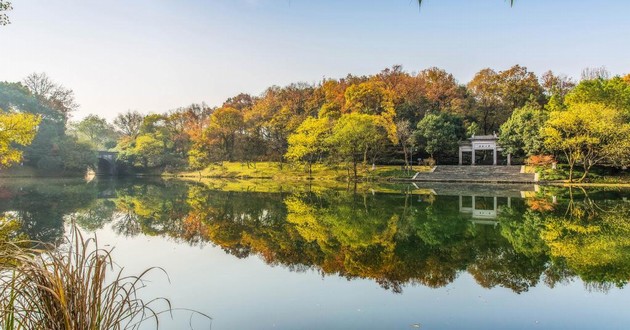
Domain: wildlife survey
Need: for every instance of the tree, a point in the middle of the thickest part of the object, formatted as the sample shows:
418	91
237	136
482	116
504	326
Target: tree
372	98
587	134
56	96
129	123
15	129
226	123
75	155
15	97
4	6
497	95
556	85
96	131
442	91
520	134
150	150
308	142
439	133
614	92
355	135
405	134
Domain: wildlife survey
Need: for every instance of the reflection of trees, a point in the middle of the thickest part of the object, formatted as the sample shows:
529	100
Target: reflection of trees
394	240
592	238
41	207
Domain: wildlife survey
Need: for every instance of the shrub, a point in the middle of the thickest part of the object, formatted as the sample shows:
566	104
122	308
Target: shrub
540	160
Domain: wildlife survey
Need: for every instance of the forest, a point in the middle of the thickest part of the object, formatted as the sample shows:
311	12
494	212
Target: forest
392	117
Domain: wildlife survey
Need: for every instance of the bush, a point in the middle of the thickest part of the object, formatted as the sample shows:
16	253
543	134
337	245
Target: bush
540	160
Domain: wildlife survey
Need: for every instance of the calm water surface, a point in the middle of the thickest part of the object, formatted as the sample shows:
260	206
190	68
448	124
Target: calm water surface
398	257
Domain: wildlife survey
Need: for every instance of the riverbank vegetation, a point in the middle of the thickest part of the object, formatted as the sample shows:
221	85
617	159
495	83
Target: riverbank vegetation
393	117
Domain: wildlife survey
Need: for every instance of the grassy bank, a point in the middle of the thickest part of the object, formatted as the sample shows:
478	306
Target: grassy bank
600	176
290	172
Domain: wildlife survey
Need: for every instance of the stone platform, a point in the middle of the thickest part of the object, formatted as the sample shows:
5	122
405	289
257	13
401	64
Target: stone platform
476	174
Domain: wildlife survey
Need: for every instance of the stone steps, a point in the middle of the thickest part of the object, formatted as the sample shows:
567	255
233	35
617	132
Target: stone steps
477	174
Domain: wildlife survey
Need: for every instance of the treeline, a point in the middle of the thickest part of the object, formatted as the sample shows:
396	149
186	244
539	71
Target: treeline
388	118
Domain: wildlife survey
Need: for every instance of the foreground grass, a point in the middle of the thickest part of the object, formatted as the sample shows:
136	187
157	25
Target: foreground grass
292	172
70	288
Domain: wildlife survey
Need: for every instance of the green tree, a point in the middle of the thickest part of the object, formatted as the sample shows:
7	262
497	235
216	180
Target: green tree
75	155
15	129
588	134
355	135
520	134
150	150
439	133
308	142
613	92
96	131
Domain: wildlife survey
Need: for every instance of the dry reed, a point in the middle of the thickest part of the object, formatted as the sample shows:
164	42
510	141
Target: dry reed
68	288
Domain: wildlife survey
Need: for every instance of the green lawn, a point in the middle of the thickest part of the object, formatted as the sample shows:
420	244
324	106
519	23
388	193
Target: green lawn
292	172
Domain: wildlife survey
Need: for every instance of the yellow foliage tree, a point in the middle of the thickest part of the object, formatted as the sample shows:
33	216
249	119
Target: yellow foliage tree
15	129
588	134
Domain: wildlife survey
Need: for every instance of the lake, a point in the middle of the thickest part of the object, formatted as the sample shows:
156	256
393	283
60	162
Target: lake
261	255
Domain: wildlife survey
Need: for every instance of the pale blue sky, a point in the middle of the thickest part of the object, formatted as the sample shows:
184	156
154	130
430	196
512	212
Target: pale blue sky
155	55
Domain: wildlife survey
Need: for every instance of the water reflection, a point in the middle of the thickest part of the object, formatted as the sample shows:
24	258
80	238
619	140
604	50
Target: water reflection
511	237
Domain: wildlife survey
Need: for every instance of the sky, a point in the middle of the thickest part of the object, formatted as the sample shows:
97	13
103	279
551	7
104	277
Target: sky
157	55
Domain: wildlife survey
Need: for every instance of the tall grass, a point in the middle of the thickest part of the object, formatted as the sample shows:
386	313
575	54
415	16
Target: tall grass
72	287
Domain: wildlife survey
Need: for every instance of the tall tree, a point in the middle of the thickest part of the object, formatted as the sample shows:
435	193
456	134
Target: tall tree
439	133
55	95
129	123
520	134
496	95
355	136
308	142
226	123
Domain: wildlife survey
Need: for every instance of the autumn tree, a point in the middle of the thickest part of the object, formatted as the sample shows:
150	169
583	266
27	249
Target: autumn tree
498	94
226	124
355	135
276	114
16	129
372	98
588	134
308	142
442	92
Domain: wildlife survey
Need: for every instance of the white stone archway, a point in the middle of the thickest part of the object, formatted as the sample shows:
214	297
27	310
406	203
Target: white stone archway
480	143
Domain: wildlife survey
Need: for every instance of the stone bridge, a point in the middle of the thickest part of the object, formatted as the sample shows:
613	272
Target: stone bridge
106	165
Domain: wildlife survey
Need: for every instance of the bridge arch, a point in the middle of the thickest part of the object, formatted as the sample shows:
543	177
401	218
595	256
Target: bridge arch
106	164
